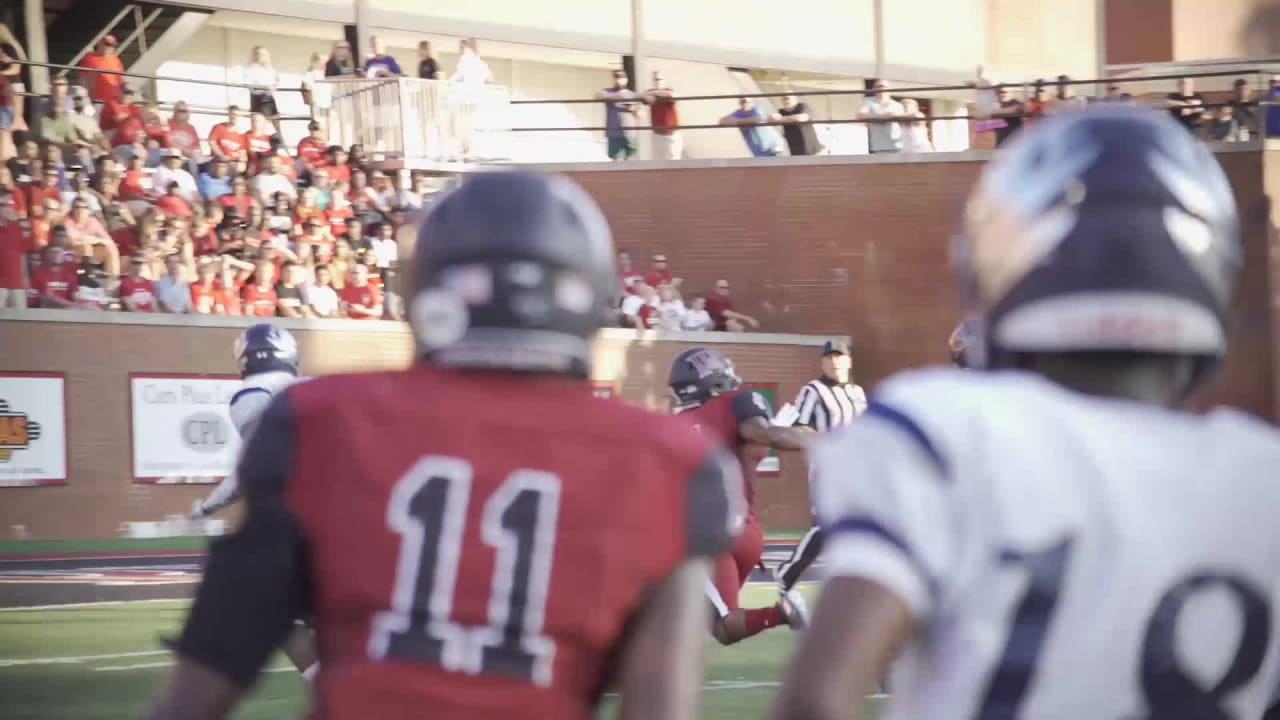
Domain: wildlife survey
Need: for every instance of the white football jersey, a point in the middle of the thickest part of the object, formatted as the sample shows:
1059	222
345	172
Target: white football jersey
1065	556
252	399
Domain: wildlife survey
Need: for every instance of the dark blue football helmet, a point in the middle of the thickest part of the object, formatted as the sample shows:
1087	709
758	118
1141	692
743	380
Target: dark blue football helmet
513	270
699	374
266	348
1104	229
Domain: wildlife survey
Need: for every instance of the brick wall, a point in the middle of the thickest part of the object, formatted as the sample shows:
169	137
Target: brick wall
861	248
97	358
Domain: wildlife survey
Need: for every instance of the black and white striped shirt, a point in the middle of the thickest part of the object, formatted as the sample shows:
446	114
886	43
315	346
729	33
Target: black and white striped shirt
823	404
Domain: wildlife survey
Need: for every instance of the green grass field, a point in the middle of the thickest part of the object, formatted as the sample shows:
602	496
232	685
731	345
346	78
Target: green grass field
104	661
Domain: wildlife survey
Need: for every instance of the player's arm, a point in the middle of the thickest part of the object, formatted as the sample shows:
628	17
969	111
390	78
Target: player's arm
231	632
882	492
661	664
246	408
753	414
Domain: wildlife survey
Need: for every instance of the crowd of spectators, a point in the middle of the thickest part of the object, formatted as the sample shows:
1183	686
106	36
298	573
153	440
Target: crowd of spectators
654	300
1235	118
108	202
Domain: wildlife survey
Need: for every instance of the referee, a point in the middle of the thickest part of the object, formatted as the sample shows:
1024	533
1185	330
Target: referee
825	403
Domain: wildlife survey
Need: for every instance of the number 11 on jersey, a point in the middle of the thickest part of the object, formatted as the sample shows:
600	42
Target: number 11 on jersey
428	509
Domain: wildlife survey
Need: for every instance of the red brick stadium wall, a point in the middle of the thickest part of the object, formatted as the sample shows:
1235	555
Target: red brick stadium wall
860	246
97	358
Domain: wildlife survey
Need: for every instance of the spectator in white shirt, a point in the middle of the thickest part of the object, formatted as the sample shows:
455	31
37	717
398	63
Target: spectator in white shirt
263	79
632	303
696	318
385	250
173	291
471	69
415	197
270	182
320	295
883	137
172	170
318	95
671	309
916	137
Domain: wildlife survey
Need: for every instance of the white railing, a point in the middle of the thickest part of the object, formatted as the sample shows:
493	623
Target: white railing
412	119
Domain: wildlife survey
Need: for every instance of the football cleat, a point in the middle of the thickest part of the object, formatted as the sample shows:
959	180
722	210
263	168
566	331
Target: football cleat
794	610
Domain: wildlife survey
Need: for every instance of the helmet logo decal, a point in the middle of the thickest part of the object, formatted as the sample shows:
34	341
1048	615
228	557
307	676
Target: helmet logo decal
704	363
439	317
472	283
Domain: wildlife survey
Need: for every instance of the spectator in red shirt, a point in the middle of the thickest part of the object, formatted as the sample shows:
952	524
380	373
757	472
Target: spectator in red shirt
258	142
103	87
668	144
54	281
17	192
339	170
720	307
48	189
115	112
13	260
659	274
137	293
226	301
172	202
136	184
360	300
183	135
205	289
227	141
647	314
240	199
312	149
628	276
260	298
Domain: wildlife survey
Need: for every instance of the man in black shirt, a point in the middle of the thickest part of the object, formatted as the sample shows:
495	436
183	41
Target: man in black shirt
289	293
428	67
1187	105
798	126
1011	111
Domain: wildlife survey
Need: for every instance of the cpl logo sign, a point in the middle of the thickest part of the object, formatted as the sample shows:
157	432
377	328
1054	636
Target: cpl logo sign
17	431
205	432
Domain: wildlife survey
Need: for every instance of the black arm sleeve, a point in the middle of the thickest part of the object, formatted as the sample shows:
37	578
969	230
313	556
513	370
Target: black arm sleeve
254	584
749	403
714	504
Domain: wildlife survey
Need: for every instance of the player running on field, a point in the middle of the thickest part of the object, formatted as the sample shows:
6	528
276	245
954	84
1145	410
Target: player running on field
1051	539
268	359
466	542
708	394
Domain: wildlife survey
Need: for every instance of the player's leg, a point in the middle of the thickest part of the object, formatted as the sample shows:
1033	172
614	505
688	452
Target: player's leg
731	623
790	610
802	556
300	648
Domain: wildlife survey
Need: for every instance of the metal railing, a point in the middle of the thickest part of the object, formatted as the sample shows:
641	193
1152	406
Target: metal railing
409	119
421	119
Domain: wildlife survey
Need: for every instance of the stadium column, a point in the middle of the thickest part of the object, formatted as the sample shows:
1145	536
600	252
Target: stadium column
363	32
640	82
37	46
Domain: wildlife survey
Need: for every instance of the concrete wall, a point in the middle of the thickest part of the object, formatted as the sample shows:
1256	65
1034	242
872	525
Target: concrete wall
1151	31
97	358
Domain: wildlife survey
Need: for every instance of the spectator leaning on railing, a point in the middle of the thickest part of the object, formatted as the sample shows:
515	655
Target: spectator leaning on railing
797	126
884	136
621	108
760	139
668	143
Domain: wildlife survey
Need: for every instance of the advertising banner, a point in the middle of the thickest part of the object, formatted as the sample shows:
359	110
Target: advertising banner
603	388
33	429
182	432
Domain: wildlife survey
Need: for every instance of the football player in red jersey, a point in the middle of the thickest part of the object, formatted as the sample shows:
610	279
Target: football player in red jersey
708	393
464	542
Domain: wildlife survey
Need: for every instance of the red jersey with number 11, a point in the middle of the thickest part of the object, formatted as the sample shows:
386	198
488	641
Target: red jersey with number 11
471	536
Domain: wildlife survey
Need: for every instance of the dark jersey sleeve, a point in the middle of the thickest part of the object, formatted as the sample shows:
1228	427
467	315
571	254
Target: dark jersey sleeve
748	404
714	504
254	583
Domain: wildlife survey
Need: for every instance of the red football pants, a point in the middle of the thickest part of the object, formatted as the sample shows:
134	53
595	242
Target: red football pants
732	569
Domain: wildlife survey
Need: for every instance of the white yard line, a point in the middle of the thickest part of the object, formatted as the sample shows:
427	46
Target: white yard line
170	663
87	604
18	662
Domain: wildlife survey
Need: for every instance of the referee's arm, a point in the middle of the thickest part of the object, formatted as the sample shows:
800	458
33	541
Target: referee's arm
807	403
